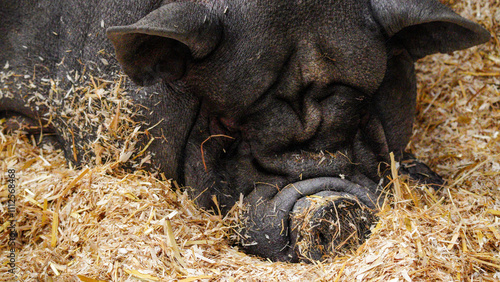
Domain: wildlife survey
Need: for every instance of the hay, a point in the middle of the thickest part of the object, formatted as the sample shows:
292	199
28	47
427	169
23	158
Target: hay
102	223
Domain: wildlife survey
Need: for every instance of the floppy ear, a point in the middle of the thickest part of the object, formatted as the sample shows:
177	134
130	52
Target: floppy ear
160	45
426	26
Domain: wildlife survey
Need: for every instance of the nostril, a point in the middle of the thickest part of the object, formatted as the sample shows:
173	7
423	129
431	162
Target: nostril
328	223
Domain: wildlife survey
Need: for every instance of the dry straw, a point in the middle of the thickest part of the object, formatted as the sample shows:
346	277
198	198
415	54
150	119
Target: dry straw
101	223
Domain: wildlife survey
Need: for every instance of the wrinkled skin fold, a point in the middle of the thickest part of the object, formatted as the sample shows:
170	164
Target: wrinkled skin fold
277	101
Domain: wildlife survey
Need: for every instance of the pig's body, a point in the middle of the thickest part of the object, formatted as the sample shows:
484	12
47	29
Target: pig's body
289	98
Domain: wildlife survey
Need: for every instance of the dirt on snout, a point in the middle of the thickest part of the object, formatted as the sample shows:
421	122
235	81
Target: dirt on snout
329	226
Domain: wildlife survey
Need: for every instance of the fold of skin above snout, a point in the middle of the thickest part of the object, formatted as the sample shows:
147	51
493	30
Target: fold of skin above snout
291	193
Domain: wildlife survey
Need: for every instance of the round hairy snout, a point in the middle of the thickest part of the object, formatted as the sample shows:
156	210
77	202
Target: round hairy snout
308	219
327	223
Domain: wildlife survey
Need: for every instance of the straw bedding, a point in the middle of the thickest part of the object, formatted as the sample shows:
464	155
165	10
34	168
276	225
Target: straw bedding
104	223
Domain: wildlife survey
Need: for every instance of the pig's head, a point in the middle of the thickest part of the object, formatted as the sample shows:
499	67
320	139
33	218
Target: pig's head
279	100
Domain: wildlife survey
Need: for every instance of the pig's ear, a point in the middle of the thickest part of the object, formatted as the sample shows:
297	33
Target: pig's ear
426	26
160	45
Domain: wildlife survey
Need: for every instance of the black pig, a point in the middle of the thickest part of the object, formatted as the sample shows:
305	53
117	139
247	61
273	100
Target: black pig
300	97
